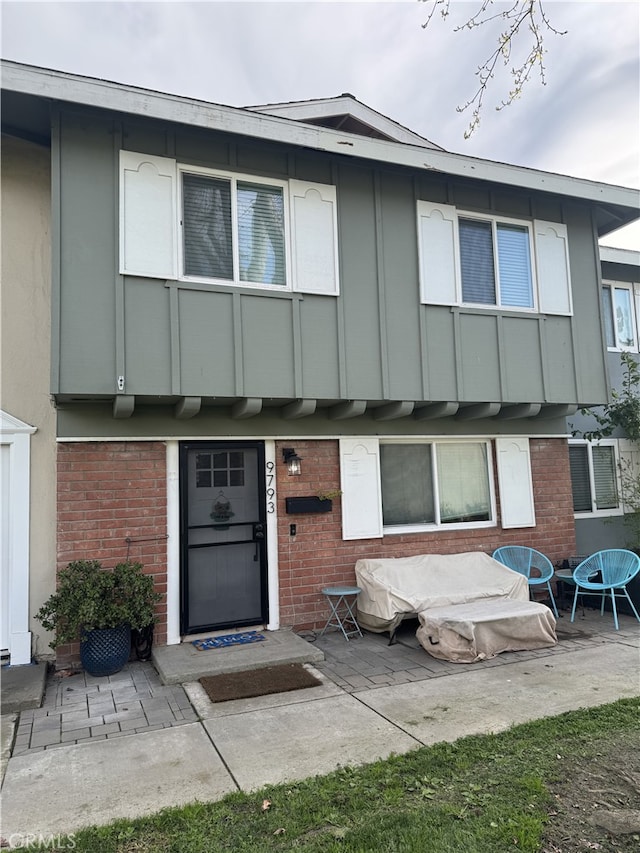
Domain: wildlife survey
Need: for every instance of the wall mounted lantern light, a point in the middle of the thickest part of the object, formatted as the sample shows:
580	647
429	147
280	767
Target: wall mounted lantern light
292	461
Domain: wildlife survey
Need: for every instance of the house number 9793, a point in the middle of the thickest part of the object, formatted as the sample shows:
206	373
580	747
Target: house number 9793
270	479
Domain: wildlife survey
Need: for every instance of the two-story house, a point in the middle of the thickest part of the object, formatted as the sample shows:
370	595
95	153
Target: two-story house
252	306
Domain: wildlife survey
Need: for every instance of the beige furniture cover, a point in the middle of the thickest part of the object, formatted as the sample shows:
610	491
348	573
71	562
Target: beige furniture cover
393	589
466	633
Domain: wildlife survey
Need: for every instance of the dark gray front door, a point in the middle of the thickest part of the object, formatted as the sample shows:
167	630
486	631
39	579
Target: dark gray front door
224	567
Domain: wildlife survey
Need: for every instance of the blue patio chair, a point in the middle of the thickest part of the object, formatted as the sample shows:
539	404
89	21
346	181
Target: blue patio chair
606	571
536	568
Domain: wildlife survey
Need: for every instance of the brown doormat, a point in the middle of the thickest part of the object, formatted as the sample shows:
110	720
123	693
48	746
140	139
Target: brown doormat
258	682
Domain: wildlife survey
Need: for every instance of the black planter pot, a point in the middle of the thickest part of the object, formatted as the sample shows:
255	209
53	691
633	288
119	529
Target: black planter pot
105	651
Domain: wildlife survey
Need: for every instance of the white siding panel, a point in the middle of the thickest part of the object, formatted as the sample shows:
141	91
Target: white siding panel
360	484
552	257
148	216
438	253
515	482
314	238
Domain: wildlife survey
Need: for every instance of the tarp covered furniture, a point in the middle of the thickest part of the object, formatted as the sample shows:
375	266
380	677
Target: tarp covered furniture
394	588
470	606
478	630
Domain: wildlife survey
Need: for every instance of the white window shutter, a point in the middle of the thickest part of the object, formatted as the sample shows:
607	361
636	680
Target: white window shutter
360	484
552	259
515	482
148	216
314	238
438	253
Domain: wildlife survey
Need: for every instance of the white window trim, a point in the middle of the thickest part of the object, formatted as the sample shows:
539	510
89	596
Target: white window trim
634	303
495	221
439	527
604	442
234	178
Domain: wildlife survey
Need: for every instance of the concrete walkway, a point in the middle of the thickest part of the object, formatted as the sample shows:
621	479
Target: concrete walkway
374	700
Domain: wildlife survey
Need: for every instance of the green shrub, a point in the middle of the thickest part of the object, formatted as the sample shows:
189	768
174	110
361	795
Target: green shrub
89	597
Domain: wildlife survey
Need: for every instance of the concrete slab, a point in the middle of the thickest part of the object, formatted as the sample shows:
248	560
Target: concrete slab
183	662
492	699
61	790
292	742
23	687
208	710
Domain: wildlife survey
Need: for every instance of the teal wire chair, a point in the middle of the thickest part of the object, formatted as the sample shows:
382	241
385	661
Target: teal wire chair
537	568
606	571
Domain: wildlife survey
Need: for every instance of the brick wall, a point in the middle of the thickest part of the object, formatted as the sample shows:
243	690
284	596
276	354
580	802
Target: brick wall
112	505
318	557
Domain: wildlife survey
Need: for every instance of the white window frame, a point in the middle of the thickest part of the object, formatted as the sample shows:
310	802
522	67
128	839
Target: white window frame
438	526
634	304
495	221
604	442
234	178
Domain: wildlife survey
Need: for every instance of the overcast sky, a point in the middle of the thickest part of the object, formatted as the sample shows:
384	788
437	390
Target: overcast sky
584	122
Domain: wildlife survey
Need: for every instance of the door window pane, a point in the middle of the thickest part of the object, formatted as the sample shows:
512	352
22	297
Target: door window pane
203	470
228	468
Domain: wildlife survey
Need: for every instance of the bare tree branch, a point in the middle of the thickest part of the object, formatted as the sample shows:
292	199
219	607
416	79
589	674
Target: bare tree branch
520	16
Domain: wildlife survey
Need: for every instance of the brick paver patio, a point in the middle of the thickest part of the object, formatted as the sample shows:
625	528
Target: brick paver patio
81	708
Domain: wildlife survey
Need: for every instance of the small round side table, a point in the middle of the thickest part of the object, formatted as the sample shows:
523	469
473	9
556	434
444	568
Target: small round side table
341	602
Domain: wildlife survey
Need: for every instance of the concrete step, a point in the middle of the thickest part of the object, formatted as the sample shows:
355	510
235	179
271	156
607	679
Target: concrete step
181	663
23	687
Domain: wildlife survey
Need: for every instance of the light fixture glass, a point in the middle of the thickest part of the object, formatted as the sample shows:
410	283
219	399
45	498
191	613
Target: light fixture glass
292	461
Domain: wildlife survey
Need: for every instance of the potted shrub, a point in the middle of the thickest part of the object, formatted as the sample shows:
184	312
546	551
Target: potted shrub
99	607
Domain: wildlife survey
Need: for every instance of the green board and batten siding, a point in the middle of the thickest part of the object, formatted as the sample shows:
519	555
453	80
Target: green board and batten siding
374	342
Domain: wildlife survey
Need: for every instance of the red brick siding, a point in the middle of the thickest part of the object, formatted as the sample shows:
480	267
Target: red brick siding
109	493
318	557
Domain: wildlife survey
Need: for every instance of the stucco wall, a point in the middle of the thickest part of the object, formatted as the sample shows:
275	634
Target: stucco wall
25	346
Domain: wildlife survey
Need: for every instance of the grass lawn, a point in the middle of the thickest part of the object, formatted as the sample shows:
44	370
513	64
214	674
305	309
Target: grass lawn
482	794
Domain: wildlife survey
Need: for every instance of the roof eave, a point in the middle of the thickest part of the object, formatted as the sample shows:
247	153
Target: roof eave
61	86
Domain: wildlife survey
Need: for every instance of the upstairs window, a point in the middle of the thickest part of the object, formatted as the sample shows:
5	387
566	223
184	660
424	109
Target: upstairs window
620	316
182	222
233	230
594	480
495	263
492	262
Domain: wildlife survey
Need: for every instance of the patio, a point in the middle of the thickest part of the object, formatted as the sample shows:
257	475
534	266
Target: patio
370	662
